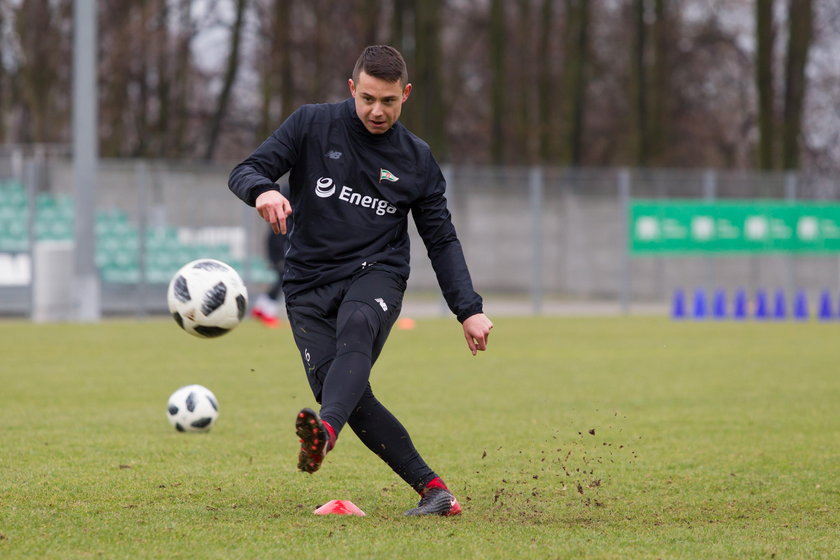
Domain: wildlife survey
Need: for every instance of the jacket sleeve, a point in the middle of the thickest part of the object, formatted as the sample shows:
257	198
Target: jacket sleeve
270	161
434	223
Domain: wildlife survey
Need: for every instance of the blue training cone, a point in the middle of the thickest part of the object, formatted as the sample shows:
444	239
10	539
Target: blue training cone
719	305
739	304
678	305
800	306
780	307
699	304
761	304
825	313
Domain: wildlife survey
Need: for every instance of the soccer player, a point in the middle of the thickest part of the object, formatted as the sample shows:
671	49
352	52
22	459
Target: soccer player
267	304
355	174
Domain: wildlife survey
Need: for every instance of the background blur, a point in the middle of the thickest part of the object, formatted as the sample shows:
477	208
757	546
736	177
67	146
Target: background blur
548	117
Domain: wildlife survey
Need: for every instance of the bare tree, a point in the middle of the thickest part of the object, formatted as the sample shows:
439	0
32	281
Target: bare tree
575	78
215	126
546	83
182	70
498	82
4	89
275	66
428	93
660	95
765	39
640	91
800	36
41	74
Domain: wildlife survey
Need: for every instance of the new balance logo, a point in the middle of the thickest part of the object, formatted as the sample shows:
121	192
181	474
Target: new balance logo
332	154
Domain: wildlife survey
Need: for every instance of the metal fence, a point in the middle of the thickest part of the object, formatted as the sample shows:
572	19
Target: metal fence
540	236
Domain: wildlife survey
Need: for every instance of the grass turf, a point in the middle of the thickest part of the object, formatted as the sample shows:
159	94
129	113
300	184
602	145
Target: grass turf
571	437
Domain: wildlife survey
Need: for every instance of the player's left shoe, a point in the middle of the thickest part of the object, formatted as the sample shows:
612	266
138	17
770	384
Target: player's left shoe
436	501
314	440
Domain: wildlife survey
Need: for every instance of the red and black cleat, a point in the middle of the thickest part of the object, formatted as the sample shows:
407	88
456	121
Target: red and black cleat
436	501
314	440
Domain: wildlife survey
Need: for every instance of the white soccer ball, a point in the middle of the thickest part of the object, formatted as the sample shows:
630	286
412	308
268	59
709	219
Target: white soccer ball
193	408
207	298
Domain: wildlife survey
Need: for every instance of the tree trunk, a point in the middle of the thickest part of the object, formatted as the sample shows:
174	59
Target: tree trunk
229	78
276	80
429	106
660	94
38	71
164	78
498	81
368	11
4	93
764	82
577	49
398	27
640	86
141	79
545	84
800	36
181	80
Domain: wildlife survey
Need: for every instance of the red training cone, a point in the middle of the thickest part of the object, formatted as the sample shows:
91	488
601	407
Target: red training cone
339	507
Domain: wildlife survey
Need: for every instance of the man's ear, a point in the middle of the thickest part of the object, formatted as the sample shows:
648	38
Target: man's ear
352	87
406	92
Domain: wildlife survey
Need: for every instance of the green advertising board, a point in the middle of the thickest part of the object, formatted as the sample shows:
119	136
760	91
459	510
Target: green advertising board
733	226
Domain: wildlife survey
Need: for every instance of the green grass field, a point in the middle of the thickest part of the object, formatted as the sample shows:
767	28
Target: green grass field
570	438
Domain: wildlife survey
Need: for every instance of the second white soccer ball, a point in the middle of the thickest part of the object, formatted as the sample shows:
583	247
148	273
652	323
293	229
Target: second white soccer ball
207	298
192	408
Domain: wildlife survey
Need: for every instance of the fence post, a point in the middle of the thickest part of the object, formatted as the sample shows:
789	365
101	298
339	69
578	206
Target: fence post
30	184
141	181
791	188
85	159
710	188
625	275
247	257
535	182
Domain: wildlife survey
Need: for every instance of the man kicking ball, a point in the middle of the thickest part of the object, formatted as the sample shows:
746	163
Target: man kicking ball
355	174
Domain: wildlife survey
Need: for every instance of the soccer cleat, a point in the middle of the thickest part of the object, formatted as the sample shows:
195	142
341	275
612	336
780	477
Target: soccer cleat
314	440
436	501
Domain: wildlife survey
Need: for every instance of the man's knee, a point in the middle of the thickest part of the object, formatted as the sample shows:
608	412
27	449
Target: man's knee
357	327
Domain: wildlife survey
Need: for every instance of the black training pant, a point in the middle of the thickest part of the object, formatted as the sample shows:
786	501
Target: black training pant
340	329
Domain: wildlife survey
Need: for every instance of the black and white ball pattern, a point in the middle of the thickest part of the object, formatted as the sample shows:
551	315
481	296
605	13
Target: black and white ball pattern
192	408
207	298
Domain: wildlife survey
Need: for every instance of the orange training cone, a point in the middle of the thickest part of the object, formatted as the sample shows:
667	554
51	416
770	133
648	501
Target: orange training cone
339	507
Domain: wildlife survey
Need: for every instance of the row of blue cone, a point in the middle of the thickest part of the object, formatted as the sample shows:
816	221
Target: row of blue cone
762	309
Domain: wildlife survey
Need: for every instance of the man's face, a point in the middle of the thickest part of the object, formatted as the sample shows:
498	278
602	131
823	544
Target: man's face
378	103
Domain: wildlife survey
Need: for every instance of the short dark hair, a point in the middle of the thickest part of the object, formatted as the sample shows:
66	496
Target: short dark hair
383	62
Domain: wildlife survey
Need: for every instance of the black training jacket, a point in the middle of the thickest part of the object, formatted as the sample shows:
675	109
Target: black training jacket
351	192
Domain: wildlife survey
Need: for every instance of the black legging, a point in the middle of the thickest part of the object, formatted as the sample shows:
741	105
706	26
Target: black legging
347	396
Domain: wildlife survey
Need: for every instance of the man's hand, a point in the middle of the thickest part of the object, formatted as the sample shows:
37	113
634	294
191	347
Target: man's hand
477	331
274	208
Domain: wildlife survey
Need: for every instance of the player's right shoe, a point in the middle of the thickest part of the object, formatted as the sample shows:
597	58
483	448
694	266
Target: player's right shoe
436	501
314	440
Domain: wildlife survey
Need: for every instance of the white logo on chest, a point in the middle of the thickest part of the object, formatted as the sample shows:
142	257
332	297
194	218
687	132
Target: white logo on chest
325	187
